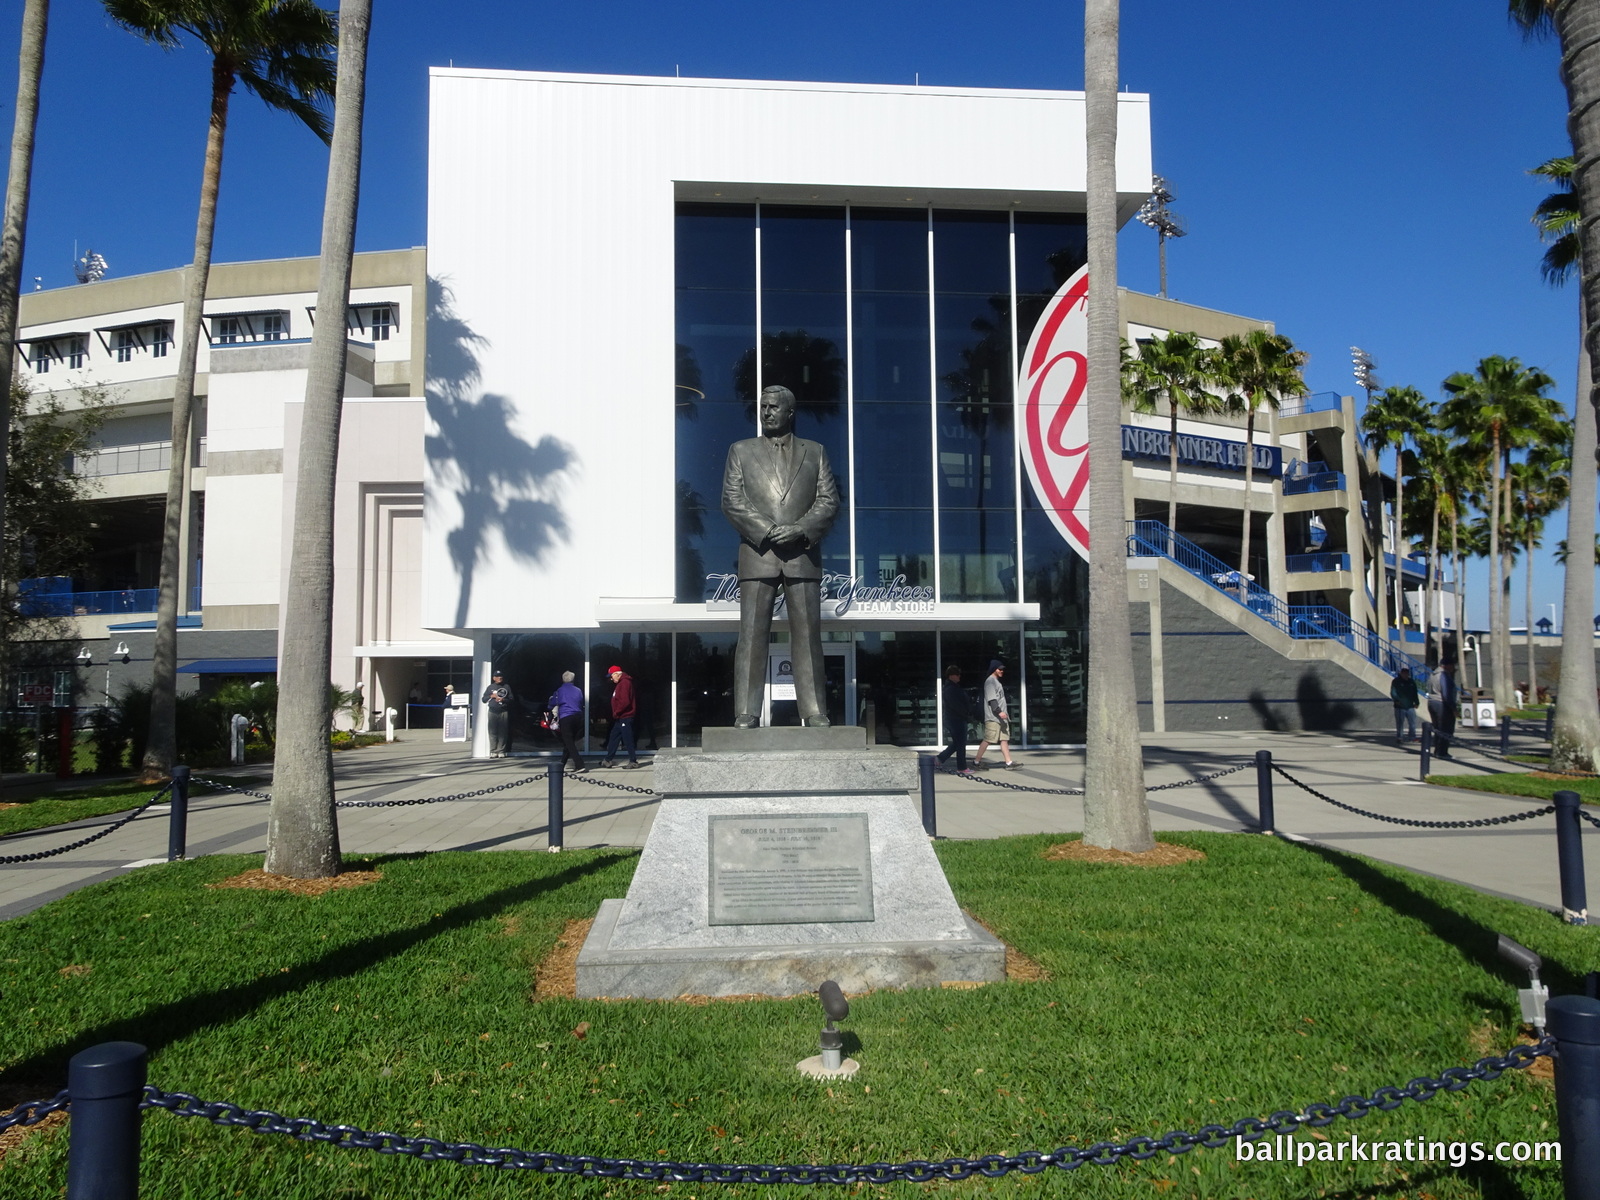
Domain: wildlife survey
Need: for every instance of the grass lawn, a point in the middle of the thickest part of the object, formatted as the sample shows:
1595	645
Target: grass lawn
1515	783
57	808
1266	977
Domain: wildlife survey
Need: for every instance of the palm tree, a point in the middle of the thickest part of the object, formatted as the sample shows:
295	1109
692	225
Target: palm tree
1497	408
1115	813
13	227
1174	371
1394	416
1575	740
1577	26
1540	485
282	50
1255	369
303	828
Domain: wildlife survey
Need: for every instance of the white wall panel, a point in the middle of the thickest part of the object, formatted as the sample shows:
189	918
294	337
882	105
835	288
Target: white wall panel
550	482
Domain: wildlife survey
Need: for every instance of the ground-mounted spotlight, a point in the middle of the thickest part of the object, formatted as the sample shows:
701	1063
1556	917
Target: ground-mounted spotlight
1533	997
831	1063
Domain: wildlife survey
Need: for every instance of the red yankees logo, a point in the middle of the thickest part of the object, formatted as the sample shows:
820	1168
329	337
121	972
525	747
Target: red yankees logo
1055	421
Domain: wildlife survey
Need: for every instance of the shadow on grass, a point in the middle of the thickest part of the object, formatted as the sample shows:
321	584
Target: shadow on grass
159	1027
1475	941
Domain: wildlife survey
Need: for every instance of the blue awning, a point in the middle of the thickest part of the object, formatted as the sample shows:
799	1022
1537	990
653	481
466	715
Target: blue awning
231	666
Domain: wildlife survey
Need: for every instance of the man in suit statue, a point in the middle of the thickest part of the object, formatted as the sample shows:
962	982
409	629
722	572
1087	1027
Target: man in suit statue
779	493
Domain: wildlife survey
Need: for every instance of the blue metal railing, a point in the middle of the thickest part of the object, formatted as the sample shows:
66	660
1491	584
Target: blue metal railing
1320	481
1316	402
1317	562
1313	621
35	603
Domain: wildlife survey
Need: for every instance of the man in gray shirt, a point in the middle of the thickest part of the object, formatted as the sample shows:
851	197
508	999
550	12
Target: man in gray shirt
996	721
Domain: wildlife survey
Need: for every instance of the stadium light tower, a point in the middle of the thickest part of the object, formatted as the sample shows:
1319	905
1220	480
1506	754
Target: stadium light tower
1167	224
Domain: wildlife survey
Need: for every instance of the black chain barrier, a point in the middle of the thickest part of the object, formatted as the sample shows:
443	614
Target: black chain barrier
1160	787
217	785
1472	824
8	859
1595	821
1029	1162
31	1112
588	777
525	781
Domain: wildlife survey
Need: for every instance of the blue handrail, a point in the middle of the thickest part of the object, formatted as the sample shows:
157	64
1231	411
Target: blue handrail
1313	621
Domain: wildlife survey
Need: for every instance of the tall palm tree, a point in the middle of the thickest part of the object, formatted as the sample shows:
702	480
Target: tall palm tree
282	50
1577	27
1173	371
1115	813
1498	407
1434	479
14	225
1540	484
1575	740
303	828
1395	416
1258	368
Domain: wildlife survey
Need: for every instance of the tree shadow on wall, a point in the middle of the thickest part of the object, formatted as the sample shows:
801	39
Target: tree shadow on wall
1317	711
502	483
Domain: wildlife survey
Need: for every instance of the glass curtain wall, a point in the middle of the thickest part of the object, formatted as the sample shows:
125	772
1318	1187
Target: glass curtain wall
898	331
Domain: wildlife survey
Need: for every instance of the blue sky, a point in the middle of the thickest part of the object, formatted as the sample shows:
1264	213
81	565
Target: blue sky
1354	171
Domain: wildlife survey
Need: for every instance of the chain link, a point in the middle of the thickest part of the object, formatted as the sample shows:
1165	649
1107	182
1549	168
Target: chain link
488	791
607	783
1031	1162
218	785
1474	824
1583	816
1160	787
31	1112
8	859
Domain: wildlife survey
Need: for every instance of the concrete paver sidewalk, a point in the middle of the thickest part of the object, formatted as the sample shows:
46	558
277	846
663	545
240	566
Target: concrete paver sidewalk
1363	770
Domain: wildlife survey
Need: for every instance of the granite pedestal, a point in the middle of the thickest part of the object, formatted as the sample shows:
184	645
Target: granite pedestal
769	870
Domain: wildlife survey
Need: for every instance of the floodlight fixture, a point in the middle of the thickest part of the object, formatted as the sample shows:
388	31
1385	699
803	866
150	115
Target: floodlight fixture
1167	224
831	1062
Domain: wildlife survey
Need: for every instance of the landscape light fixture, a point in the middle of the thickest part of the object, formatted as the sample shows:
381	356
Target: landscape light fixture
1533	997
1167	224
831	1063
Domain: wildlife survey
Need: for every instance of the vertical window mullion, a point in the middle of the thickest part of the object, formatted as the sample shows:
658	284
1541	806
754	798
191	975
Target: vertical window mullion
850	392
1018	427
759	339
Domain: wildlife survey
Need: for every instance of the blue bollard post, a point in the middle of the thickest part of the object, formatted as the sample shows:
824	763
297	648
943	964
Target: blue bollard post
106	1083
178	825
1574	1021
1425	755
557	817
1505	735
1569	856
1264	791
930	819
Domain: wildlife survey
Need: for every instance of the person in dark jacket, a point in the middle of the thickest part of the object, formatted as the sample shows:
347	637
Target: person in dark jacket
957	715
624	708
1403	693
1443	708
566	702
497	696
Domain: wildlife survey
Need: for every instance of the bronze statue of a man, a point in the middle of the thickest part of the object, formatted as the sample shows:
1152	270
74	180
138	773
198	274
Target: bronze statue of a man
779	493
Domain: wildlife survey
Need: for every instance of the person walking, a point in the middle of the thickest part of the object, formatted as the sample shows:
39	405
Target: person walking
624	708
566	702
996	721
1403	694
1442	705
957	715
497	696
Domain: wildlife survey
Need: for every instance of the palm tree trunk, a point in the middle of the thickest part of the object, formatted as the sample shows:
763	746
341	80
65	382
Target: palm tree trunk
1501	698
1172	480
303	828
161	748
1380	572
30	66
1400	541
1249	472
1115	813
1575	743
1577	732
1458	564
1430	589
1533	667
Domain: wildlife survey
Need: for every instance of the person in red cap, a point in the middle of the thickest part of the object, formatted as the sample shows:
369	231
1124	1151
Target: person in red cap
624	707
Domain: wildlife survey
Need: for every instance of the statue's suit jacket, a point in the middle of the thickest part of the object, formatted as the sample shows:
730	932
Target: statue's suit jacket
755	500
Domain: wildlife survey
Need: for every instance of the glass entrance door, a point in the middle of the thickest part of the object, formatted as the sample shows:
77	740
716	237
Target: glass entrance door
839	676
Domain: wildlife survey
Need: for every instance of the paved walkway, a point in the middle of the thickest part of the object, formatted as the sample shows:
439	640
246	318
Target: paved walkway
1370	772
